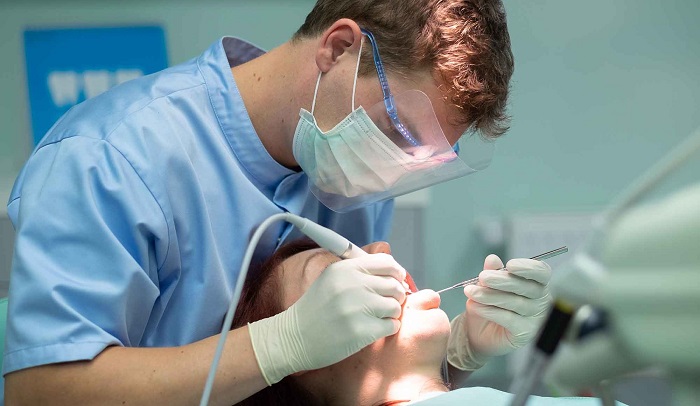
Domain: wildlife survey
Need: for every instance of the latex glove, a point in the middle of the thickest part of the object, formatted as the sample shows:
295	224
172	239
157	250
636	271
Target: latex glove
350	305
503	312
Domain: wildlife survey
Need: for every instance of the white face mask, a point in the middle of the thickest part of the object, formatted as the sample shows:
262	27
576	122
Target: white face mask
353	158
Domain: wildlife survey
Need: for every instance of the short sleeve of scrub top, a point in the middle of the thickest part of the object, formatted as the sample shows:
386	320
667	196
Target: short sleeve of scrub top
77	228
385	212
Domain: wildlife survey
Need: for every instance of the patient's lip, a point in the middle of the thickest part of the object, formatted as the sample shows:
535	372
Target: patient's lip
411	284
425	299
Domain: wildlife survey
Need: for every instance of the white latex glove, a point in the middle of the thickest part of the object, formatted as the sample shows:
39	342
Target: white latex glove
352	304
503	312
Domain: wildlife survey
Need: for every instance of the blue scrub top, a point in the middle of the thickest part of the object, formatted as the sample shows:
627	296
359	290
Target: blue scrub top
133	213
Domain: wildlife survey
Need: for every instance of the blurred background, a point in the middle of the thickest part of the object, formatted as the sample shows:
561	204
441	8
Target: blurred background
602	90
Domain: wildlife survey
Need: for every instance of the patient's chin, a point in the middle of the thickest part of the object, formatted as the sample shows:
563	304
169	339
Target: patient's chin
426	324
423	316
423	335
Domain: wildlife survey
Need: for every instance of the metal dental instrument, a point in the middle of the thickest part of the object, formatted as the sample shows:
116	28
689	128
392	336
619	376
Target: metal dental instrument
474	281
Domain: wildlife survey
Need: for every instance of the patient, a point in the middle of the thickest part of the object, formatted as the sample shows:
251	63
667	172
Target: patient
398	369
393	370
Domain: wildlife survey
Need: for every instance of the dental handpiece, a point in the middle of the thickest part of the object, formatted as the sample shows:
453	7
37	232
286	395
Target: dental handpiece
474	281
326	238
330	240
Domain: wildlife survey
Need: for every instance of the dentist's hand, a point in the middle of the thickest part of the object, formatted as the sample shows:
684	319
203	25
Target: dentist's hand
352	304
503	312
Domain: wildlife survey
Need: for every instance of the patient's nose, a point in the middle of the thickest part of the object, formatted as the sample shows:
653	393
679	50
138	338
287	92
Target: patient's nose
379	247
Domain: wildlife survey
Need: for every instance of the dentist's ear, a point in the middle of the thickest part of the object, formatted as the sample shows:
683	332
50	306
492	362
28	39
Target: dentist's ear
341	40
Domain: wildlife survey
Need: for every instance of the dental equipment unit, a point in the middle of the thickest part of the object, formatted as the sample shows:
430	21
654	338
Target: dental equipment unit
640	269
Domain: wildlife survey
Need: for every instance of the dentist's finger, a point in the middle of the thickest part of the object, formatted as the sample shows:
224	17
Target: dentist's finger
508	282
493	262
378	264
385	286
530	269
509	301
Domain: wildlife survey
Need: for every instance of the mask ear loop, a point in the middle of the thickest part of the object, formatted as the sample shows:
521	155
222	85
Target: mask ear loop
354	83
357	70
313	103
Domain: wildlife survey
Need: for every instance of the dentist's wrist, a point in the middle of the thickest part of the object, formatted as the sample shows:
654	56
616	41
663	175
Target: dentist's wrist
459	352
278	346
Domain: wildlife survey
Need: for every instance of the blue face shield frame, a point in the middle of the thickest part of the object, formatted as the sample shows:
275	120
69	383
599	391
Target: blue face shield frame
389	98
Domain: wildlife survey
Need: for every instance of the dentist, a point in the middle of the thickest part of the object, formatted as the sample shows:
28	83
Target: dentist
133	212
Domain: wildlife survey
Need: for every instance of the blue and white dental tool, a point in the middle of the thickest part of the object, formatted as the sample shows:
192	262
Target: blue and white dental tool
324	237
541	257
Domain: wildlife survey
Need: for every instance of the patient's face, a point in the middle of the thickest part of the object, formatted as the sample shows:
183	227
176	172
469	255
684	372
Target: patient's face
420	343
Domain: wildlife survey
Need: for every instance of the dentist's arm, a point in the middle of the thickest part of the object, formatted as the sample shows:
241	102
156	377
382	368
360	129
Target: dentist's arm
143	376
352	304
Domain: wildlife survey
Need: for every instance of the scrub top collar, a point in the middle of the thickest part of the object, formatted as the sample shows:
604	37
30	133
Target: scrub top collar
215	65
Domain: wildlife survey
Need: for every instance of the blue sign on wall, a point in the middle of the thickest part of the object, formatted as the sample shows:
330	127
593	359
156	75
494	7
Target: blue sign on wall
68	66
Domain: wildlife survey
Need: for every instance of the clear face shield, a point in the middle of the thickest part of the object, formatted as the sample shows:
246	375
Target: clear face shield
392	148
